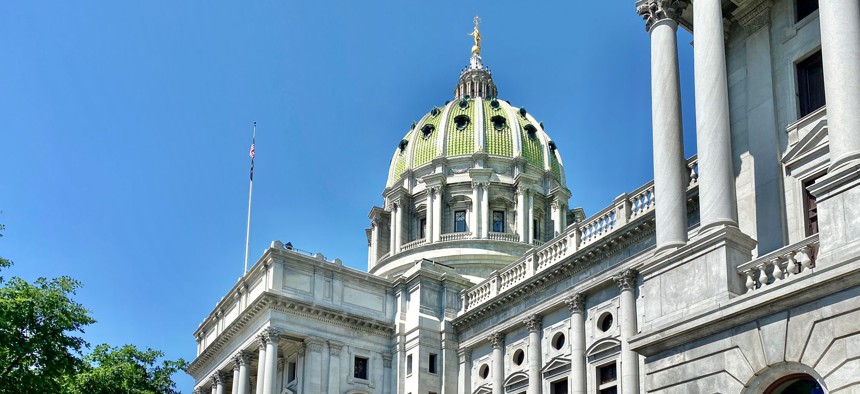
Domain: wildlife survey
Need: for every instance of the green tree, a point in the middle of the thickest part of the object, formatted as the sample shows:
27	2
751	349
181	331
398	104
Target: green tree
39	324
125	369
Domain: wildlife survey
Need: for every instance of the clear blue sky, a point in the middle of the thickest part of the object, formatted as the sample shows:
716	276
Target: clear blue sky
125	128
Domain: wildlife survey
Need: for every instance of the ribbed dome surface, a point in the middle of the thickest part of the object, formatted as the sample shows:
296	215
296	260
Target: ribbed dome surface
475	125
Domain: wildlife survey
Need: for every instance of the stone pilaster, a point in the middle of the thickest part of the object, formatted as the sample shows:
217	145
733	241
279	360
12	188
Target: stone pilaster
465	383
243	360
486	215
270	381
670	175
474	225
497	339
261	362
313	365
576	305
533	323
627	320
437	213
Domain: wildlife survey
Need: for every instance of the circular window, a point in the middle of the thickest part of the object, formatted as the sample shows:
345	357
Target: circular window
434	112
558	341
427	130
464	103
484	371
461	121
498	122
605	322
519	357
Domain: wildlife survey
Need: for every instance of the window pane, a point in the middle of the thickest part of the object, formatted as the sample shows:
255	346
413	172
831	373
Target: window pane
810	84
806	7
498	221
460	221
360	370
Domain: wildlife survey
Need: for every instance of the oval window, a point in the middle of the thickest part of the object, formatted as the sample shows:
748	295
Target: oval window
519	357
461	121
558	341
484	371
605	322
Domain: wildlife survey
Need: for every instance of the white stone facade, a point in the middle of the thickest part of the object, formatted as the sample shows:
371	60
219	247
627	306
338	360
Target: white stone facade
743	277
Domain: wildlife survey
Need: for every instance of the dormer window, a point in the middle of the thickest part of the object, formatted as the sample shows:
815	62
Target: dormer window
461	121
552	146
402	145
427	130
464	103
434	112
523	112
413	126
531	130
499	122
495	105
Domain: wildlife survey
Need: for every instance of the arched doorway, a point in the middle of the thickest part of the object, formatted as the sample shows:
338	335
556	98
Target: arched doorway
799	383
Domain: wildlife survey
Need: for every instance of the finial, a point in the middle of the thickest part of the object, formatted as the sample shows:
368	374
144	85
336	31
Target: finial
476	49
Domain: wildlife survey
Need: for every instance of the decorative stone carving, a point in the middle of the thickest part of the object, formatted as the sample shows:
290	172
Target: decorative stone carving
576	302
653	11
626	280
555	204
533	323
261	341
271	335
314	344
497	339
753	15
218	378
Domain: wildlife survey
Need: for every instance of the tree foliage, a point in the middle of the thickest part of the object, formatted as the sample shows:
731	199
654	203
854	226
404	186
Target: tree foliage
125	369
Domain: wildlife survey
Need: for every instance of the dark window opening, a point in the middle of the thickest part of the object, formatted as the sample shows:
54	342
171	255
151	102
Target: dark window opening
523	112
434	112
461	121
498	122
498	221
360	370
519	357
810	84
805	7
605	322
558	341
409	364
484	371
464	103
431	367
559	387
459	221
531	130
795	383
552	146
291	371
402	145
494	104
810	208
535	229
427	130
422	228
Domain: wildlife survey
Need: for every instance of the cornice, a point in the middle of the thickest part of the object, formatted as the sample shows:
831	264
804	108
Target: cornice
270	301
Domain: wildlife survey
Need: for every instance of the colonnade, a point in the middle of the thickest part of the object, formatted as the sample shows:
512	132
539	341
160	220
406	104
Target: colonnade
577	381
266	377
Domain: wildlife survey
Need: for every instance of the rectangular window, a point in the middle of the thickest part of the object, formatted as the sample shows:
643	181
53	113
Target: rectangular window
360	370
558	387
459	221
535	229
422	228
432	363
810	207
805	7
607	379
291	371
498	221
810	84
409	364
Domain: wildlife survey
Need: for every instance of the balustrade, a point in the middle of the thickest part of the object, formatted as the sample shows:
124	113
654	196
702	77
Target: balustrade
771	269
414	244
504	237
456	236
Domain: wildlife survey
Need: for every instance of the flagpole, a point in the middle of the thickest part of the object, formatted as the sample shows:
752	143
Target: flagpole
250	192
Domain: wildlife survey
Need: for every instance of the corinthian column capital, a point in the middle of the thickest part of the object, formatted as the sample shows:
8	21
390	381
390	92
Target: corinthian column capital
626	280
533	323
497	339
575	303
653	11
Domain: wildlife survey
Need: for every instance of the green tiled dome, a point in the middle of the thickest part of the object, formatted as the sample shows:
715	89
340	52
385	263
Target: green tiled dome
467	126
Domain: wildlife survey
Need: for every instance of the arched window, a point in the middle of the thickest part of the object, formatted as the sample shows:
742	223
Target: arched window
800	383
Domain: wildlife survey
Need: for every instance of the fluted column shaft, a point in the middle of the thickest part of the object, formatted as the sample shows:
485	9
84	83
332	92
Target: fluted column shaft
717	200
840	55
428	218
627	321
476	206
486	215
270	382
261	364
533	323
498	342
464	385
670	175
530	202
235	388
374	243
578	383
244	386
521	215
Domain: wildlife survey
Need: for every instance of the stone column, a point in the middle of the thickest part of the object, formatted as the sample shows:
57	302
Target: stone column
428	226
392	243
627	320
557	225
465	383
313	365
840	55
576	304
437	213
533	323
386	373
261	363
235	388
717	200
522	222
670	170
530	209
398	226
334	366
271	376
244	362
218	381
374	242
486	215
474	225
498	341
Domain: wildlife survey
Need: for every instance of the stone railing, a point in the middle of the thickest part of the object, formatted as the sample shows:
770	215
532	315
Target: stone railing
456	236
780	265
604	224
503	237
537	242
414	244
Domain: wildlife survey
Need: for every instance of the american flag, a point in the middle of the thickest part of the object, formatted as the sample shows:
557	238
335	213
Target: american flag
252	153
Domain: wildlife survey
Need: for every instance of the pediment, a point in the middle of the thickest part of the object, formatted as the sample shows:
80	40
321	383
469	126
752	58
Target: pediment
517	377
502	200
603	346
556	363
483	389
814	142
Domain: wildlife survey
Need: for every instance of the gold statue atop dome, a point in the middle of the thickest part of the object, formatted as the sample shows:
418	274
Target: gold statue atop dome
476	50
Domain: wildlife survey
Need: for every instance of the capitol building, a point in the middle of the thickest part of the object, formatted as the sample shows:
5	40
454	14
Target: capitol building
734	271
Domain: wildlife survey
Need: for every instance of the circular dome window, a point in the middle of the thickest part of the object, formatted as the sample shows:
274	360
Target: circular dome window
558	341
498	122
531	130
484	371
519	357
461	121
427	130
523	112
464	103
495	104
434	112
604	322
